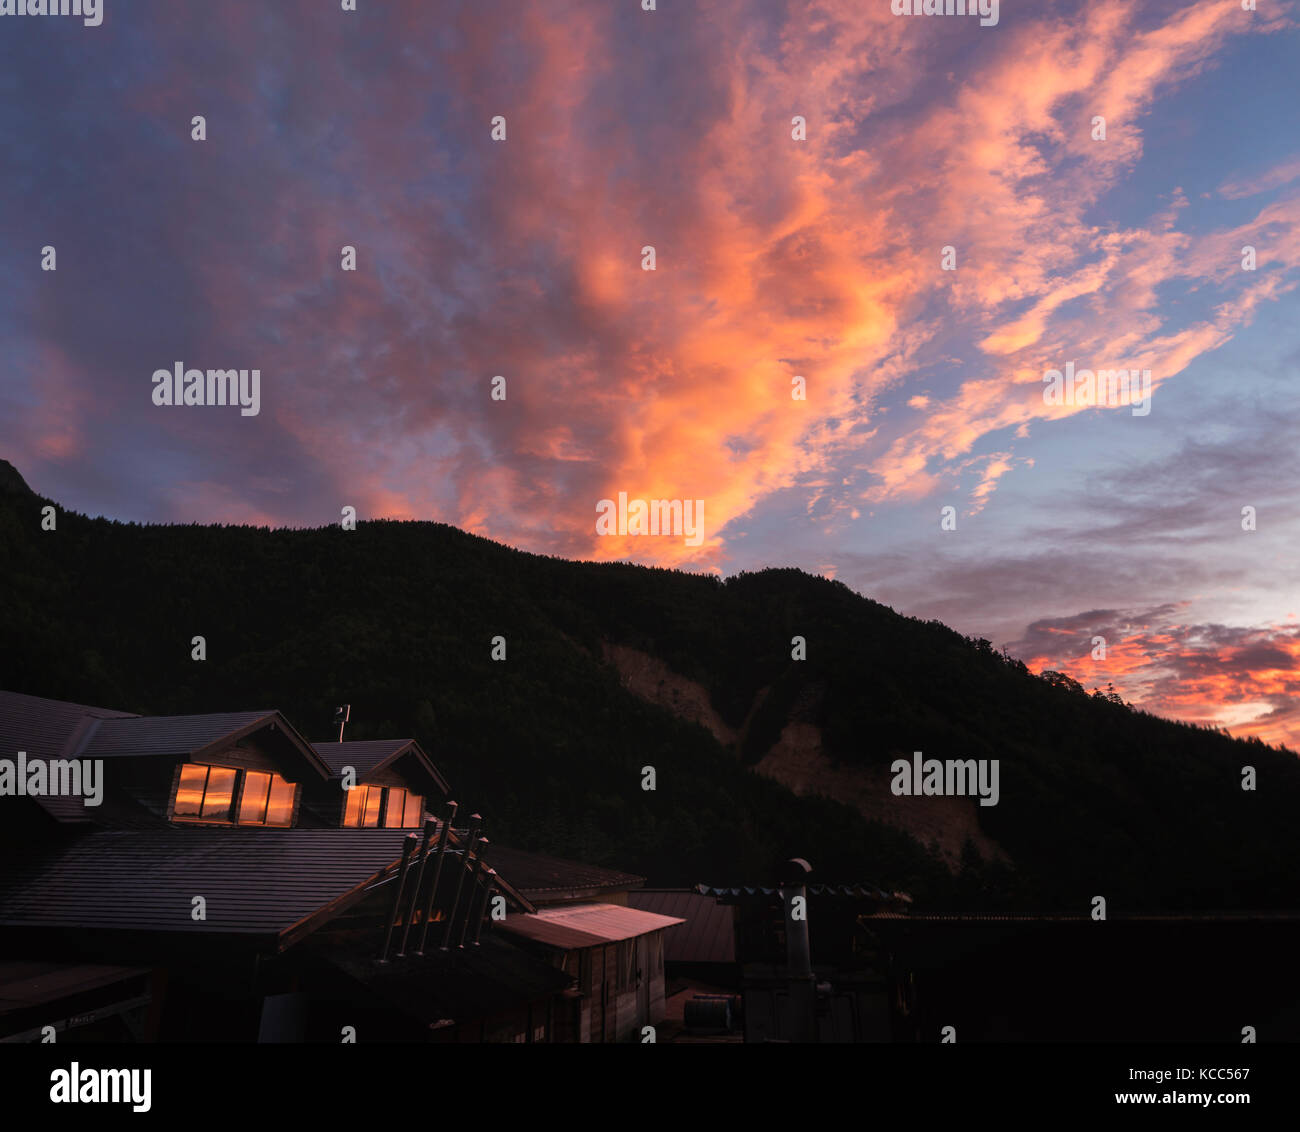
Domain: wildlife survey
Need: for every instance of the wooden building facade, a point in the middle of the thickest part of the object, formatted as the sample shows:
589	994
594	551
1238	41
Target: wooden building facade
234	881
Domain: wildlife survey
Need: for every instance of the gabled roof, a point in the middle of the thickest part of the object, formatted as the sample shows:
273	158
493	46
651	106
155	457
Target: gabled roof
56	729
540	876
191	736
50	729
708	933
585	925
44	728
369	756
456	846
255	882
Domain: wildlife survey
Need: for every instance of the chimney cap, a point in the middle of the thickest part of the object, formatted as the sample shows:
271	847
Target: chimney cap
795	871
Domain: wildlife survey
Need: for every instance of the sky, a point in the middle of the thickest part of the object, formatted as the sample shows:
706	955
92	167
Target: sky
908	219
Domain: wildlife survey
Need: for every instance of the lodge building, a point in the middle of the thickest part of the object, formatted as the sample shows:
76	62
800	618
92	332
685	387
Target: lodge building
239	882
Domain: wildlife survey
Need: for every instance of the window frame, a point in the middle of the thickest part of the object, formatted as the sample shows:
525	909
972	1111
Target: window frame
386	821
232	814
384	808
243	795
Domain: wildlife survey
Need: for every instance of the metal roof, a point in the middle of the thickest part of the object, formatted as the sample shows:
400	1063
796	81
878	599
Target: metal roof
49	729
538	875
708	933
456	842
363	755
166	734
366	756
855	891
188	735
54	729
45	728
254	881
585	925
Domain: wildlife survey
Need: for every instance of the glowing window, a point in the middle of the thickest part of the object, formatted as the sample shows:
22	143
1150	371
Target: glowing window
252	804
205	792
279	806
267	800
356	800
220	792
393	811
374	796
189	794
209	792
414	815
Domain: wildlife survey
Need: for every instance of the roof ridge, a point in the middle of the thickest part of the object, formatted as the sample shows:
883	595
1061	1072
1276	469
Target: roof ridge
80	737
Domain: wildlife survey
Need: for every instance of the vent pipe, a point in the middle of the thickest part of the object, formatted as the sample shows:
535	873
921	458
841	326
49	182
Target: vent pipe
474	821
443	833
408	846
489	888
473	901
802	986
415	888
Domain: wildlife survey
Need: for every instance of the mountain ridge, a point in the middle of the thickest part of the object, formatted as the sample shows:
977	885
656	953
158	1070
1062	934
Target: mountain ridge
398	619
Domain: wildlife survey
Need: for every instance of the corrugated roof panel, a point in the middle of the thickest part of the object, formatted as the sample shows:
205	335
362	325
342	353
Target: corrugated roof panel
363	755
708	934
538	874
253	880
586	925
853	891
43	727
166	734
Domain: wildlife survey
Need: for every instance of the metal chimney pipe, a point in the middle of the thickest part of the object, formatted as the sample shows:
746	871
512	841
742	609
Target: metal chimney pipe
802	986
798	954
488	889
474	820
415	888
452	807
473	893
408	845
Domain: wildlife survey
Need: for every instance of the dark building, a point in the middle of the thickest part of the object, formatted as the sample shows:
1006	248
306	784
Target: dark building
219	877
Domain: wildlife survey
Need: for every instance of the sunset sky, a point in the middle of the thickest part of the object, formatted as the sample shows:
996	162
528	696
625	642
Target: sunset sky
775	258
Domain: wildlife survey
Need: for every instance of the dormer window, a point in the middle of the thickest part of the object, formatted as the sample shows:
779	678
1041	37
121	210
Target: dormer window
363	804
208	793
391	807
405	810
205	792
267	800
